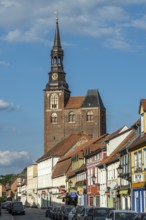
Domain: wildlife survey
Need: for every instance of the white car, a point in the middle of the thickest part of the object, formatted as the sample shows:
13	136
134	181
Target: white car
121	215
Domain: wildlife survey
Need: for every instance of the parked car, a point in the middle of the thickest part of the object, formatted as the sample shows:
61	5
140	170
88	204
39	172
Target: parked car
141	216
73	213
47	213
94	213
9	206
4	205
121	215
100	213
17	208
57	213
85	212
52	212
66	212
62	207
0	208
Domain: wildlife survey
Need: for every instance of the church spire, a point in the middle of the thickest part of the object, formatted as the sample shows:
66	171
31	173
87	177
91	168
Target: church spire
57	52
57	42
57	75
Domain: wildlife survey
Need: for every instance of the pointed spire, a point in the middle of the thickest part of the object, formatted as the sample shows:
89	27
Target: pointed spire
57	42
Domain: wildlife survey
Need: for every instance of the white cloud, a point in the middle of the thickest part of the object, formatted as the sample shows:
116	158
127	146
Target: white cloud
31	21
13	162
118	44
8	105
139	23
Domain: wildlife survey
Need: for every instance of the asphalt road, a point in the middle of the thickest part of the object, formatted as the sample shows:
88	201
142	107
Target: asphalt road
30	214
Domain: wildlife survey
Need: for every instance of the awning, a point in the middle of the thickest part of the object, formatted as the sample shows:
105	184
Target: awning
123	191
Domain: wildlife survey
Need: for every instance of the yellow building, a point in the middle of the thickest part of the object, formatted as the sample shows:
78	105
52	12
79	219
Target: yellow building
138	164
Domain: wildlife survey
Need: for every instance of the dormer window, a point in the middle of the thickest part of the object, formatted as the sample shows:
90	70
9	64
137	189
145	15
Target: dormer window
71	117
54	101
89	116
54	118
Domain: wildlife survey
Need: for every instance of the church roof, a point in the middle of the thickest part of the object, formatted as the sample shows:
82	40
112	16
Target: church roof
93	99
75	102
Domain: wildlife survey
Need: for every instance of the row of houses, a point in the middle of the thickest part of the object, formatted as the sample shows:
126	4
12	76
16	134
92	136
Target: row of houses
108	171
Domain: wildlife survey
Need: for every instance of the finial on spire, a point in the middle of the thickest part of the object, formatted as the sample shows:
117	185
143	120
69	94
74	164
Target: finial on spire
56	13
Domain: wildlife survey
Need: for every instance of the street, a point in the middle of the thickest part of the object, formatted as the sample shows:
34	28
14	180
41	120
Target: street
30	214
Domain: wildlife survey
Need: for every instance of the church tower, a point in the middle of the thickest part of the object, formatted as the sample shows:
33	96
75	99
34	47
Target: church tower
56	95
63	114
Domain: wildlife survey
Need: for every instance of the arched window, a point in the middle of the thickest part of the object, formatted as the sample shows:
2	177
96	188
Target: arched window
54	118
71	117
54	101
89	116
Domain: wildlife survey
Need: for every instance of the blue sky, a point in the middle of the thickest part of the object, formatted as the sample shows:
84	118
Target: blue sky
104	42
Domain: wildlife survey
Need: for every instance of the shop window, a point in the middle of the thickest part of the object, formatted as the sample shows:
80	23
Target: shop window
91	201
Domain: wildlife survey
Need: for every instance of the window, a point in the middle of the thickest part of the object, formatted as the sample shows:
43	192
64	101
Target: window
54	118
89	116
135	161
91	201
144	200
144	157
139	160
54	101
71	117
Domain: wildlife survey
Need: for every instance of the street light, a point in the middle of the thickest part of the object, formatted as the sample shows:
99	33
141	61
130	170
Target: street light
120	169
93	178
70	184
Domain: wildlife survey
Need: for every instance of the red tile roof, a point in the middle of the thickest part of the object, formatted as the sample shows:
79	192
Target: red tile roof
75	102
80	151
61	168
67	145
115	154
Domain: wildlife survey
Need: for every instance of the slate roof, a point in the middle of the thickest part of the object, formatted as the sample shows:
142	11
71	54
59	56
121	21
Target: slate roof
93	99
74	102
115	154
68	144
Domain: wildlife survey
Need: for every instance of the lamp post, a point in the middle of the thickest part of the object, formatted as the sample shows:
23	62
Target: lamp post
50	197
120	170
93	179
70	184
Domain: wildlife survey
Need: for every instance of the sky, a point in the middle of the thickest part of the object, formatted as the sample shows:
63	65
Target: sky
104	43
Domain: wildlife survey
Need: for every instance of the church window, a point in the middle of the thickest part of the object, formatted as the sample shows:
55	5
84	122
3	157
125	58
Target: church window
54	118
54	101
89	116
71	117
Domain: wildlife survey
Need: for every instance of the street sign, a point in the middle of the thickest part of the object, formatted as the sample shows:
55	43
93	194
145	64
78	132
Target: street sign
73	194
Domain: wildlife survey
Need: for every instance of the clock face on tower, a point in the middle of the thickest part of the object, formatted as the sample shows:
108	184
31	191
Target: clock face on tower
54	76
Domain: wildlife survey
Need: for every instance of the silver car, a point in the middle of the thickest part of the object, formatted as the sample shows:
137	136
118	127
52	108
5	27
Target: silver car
121	215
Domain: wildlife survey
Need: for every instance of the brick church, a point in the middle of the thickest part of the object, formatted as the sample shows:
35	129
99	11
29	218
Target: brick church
64	114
